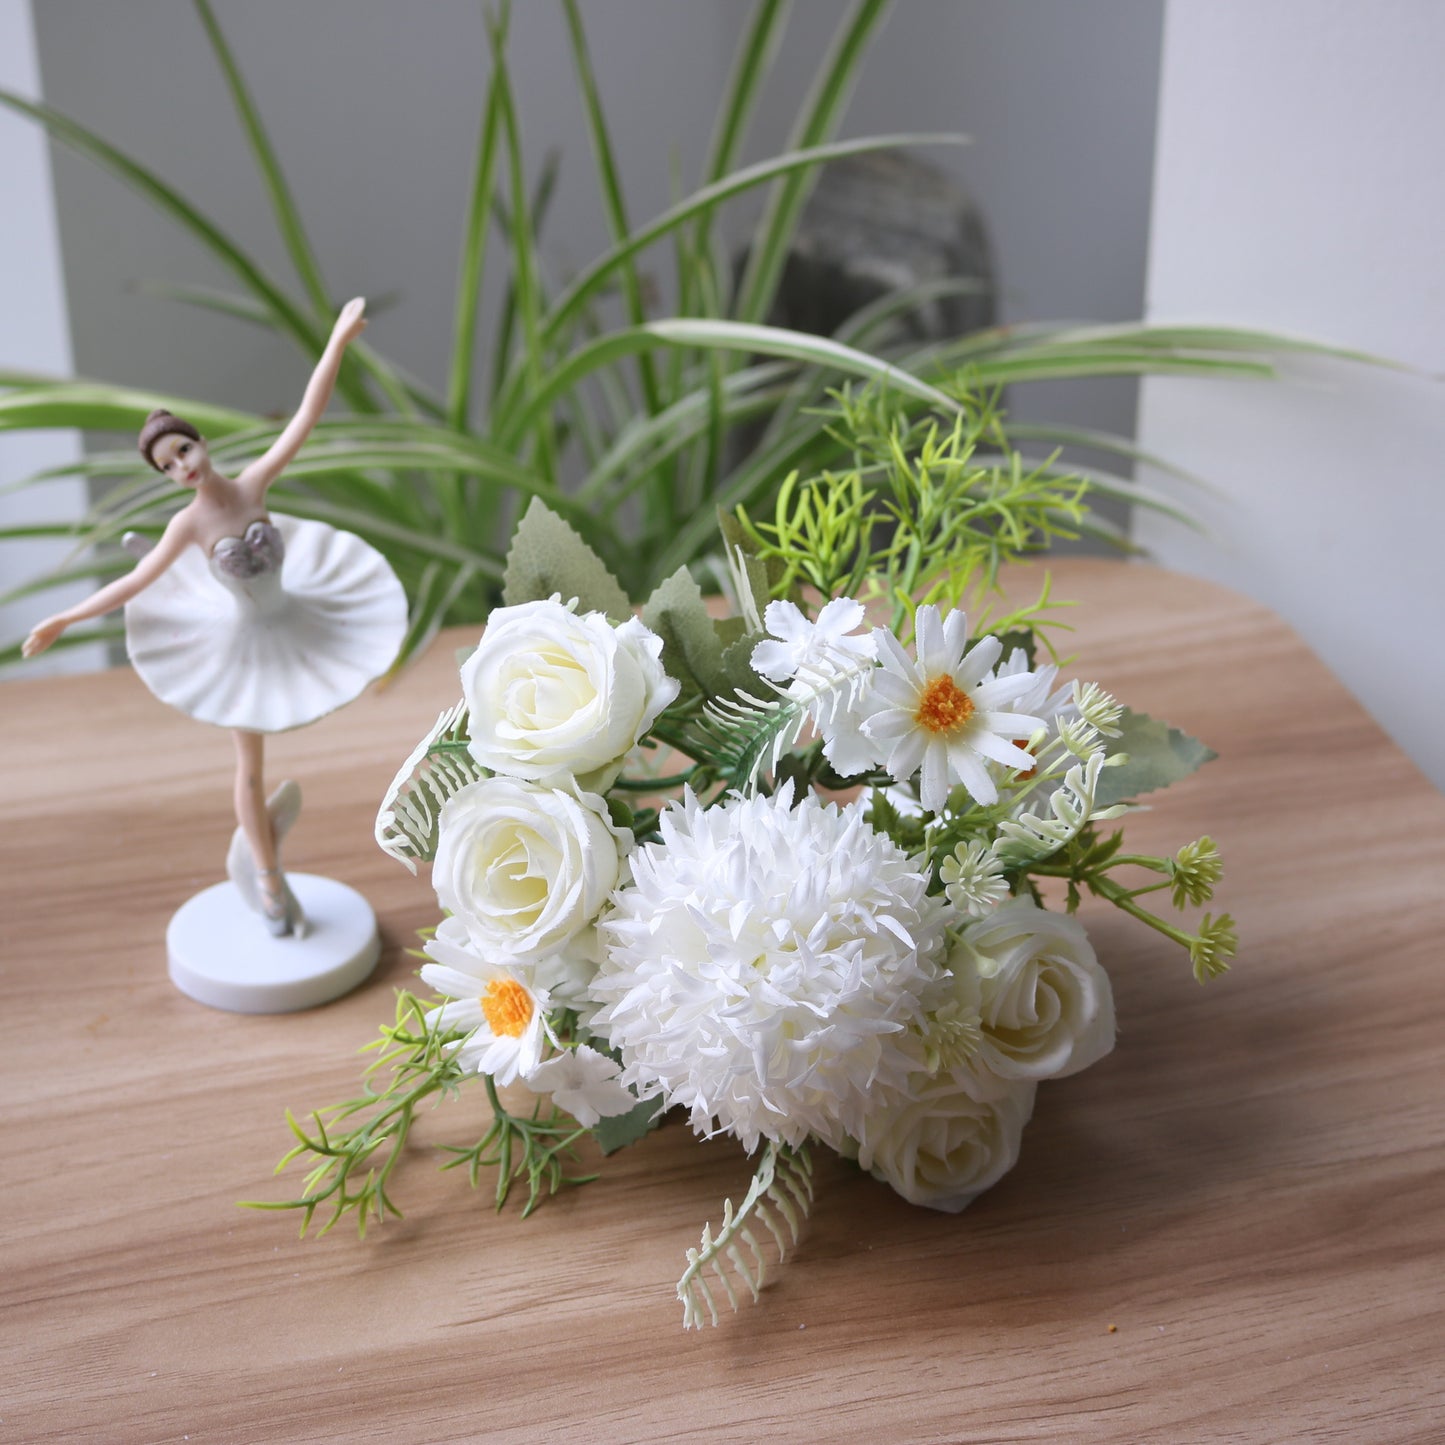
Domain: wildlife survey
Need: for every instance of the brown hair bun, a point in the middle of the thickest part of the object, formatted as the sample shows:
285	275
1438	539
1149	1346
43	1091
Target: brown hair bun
161	423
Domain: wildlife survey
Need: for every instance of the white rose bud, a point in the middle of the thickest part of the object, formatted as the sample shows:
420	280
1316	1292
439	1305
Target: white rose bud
1045	1001
553	695
943	1147
525	869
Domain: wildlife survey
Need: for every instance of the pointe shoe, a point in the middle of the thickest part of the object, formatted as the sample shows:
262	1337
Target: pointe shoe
280	911
283	807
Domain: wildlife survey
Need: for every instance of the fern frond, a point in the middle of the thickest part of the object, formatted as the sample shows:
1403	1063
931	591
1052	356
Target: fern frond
439	765
779	1199
743	733
1030	837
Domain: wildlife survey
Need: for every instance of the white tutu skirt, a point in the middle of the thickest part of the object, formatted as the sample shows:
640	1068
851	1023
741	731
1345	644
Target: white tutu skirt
272	648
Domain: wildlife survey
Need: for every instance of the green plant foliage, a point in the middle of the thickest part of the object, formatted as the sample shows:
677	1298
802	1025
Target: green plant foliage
647	412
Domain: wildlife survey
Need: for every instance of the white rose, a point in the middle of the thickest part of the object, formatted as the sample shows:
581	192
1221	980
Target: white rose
553	695
942	1147
526	869
1045	1001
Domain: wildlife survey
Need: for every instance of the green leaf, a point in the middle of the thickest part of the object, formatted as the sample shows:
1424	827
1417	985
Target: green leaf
473	259
591	279
620	1130
737	644
692	651
287	316
1158	756
817	120
548	557
288	217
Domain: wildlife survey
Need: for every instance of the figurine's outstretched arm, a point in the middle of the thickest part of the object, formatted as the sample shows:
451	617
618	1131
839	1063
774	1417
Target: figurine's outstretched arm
256	478
174	540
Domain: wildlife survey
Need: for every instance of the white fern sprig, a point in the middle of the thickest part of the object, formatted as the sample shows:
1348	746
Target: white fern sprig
439	765
779	1199
748	731
1031	837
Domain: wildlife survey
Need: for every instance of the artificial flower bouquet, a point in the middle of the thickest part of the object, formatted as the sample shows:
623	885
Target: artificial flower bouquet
782	869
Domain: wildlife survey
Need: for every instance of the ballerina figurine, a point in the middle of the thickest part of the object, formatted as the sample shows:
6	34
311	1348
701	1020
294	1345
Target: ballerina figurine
252	621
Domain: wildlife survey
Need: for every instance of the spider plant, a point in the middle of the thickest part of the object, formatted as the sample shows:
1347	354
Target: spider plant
621	429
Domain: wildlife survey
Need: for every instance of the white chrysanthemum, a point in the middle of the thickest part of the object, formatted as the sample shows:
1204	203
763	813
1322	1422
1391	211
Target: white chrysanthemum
763	964
503	1008
583	1082
827	663
942	715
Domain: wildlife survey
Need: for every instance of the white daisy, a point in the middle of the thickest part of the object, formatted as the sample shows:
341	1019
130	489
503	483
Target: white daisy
945	714
831	665
766	964
583	1082
503	1009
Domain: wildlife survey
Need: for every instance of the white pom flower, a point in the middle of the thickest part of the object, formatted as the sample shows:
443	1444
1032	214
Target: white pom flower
584	1083
941	714
525	868
764	962
942	1146
1046	1003
552	695
826	662
503	1008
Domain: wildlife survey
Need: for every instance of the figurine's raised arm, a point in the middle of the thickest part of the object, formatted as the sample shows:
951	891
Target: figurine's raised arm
178	535
257	477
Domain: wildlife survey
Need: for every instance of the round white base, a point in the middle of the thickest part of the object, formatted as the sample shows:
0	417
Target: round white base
220	953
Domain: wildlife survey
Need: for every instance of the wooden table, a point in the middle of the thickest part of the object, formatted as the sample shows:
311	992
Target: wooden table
1249	1189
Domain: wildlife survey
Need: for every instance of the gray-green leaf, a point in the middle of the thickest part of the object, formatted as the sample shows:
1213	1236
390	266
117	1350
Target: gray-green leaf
1158	756
620	1130
692	652
548	557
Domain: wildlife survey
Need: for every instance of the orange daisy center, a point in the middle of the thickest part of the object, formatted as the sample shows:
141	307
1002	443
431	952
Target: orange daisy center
507	1007
944	707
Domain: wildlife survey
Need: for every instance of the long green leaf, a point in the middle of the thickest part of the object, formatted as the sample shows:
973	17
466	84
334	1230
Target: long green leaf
473	258
704	334
587	282
753	60
655	439
283	206
96	406
817	120
524	258
614	203
287	315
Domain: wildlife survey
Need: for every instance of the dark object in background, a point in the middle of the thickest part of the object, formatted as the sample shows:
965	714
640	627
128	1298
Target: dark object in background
875	224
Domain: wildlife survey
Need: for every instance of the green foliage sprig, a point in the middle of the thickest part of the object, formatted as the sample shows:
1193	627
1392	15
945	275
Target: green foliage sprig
355	1146
927	512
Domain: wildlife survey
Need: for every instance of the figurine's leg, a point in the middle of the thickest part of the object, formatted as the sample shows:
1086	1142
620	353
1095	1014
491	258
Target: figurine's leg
255	821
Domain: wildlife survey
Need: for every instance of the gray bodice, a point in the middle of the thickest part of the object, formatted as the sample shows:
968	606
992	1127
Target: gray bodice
250	565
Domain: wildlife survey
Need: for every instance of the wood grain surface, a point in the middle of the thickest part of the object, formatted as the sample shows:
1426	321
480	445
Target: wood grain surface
1249	1189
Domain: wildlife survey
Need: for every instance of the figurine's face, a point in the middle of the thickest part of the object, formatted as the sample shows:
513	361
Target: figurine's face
181	459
